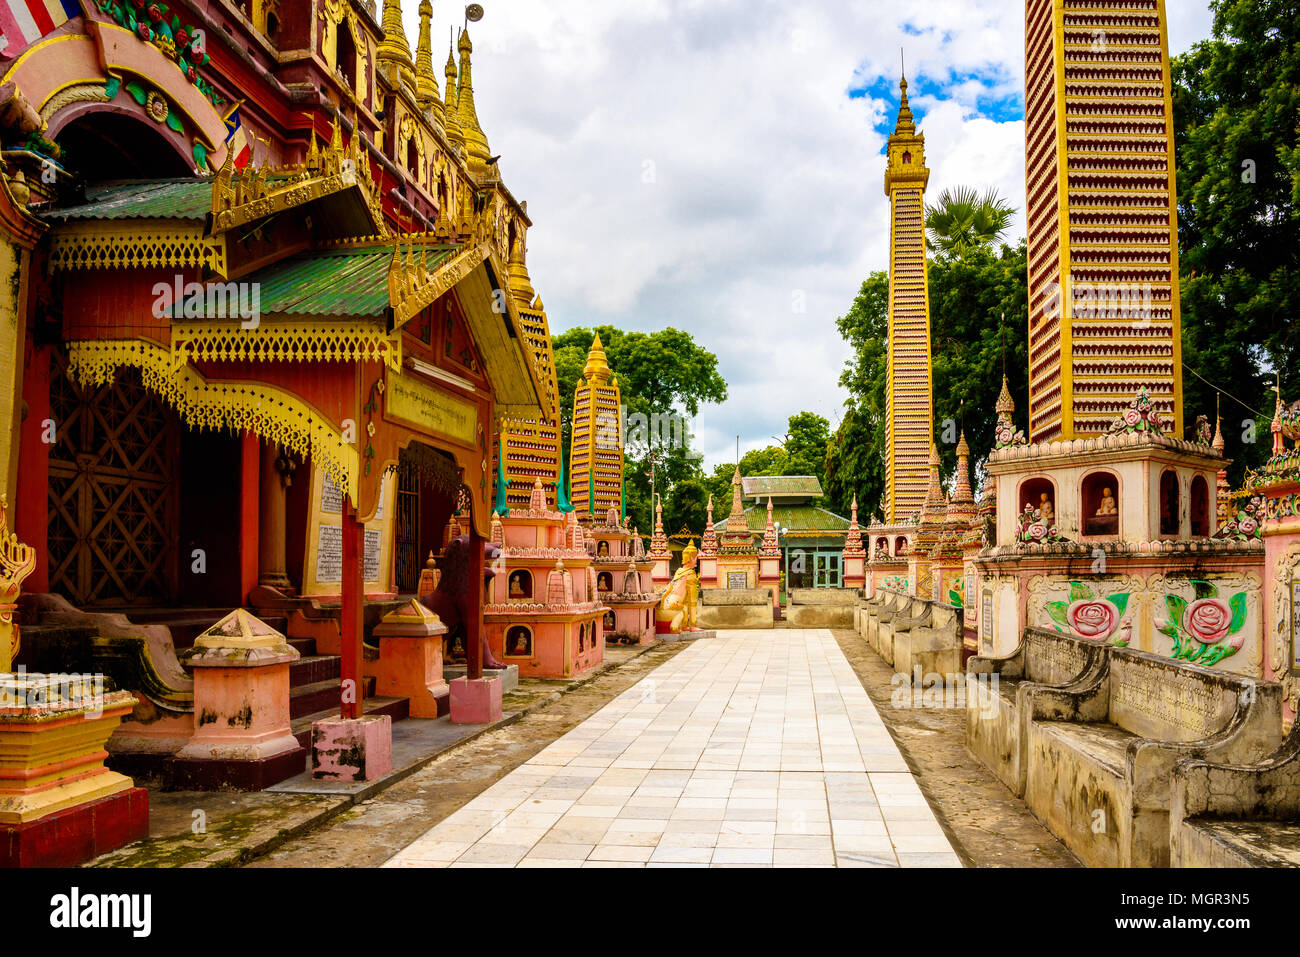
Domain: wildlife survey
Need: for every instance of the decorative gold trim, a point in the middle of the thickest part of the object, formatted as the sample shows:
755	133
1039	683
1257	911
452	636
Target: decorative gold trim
264	410
107	245
412	288
285	342
243	196
88	91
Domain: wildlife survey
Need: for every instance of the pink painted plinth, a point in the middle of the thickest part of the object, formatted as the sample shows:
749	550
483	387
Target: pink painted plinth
475	702
352	749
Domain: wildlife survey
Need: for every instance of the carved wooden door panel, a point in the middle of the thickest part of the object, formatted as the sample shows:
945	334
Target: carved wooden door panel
406	537
112	500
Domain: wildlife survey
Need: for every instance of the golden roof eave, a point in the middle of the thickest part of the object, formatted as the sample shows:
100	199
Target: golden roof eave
244	196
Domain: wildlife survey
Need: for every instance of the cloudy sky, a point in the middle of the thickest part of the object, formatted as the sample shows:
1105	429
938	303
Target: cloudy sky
717	165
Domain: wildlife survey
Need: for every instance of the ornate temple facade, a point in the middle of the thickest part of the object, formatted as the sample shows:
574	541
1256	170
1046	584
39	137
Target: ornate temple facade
1102	219
270	317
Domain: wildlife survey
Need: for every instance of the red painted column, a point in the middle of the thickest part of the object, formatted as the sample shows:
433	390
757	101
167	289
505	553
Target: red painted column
351	624
474	623
249	478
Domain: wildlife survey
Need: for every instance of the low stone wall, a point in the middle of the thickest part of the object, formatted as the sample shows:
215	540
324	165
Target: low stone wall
1100	751
822	607
1237	816
735	608
911	633
1044	660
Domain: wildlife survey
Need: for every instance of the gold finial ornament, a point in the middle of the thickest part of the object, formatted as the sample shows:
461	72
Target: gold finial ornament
426	84
394	49
451	107
476	143
17	561
597	366
1005	402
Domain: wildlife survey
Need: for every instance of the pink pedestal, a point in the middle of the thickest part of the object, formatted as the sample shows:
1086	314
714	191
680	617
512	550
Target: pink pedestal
359	749
475	702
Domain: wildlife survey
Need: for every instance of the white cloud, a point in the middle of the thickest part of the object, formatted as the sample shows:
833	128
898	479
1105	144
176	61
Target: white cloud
767	177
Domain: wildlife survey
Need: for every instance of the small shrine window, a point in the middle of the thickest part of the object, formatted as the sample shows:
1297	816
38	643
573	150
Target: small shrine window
413	157
609	621
346	55
900	547
1099	495
604	582
882	544
519	642
907	158
1200	507
520	585
1040	493
1169	502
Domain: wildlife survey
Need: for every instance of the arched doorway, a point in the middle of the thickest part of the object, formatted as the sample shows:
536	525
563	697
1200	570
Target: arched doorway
103	144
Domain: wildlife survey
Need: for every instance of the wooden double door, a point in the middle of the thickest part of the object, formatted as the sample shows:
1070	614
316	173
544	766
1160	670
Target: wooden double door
113	509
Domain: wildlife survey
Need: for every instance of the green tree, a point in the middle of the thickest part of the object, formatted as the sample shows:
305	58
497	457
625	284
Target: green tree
962	221
978	312
805	445
1237	136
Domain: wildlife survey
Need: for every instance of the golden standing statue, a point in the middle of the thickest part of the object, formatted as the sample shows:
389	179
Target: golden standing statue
679	609
17	561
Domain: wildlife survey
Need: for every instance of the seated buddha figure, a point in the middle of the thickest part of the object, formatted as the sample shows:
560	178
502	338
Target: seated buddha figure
679	608
1046	509
1108	506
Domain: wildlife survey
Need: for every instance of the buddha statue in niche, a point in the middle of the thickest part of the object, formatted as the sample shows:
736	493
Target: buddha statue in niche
1108	506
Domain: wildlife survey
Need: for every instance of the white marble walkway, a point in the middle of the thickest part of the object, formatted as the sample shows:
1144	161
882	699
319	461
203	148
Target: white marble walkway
756	748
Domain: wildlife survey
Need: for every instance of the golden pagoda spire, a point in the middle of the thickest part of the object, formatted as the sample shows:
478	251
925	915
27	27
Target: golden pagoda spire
451	112
906	125
426	84
736	521
1218	444
475	140
393	48
521	285
961	493
597	367
1005	402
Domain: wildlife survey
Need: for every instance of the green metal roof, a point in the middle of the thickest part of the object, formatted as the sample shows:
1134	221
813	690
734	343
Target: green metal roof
189	199
801	520
337	282
783	485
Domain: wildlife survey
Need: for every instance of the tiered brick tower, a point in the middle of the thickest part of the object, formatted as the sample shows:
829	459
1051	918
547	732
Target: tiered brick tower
596	449
910	404
1102	216
533	446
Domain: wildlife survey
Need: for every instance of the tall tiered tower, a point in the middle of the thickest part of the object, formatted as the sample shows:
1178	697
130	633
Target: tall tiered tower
1102	218
533	445
596	446
909	396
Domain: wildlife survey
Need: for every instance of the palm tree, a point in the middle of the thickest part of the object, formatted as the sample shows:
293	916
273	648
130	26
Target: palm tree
962	221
